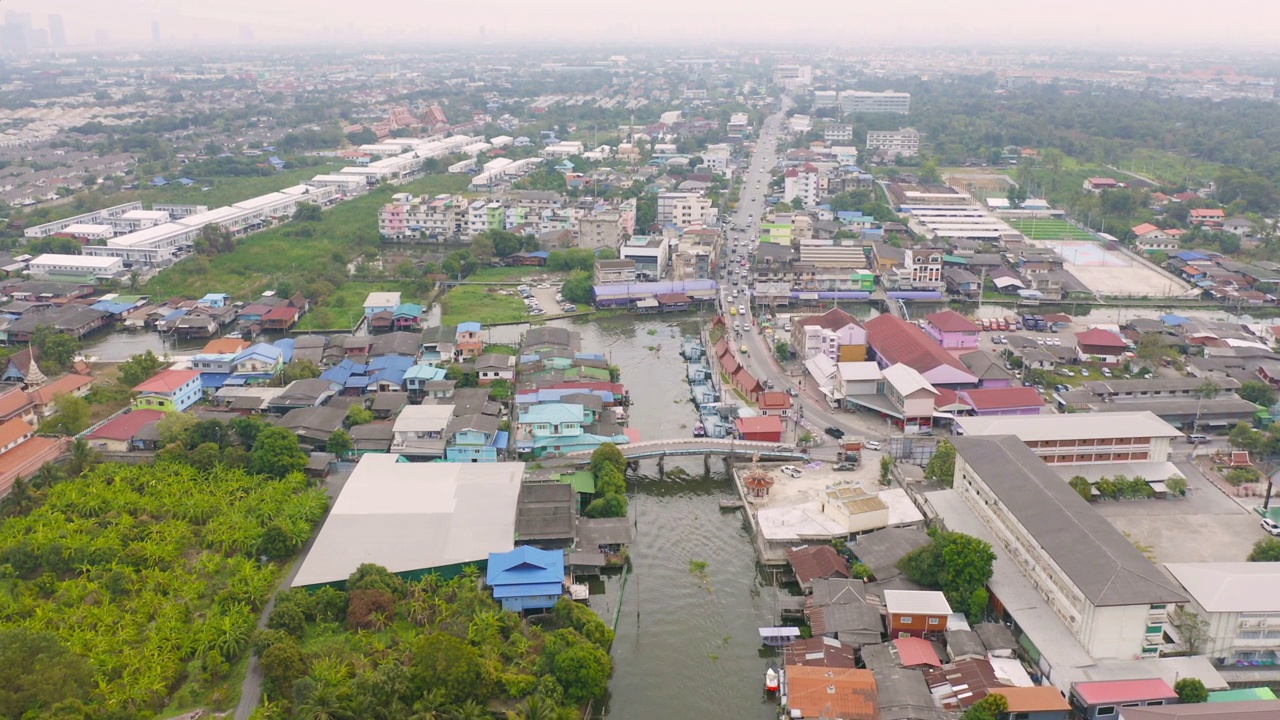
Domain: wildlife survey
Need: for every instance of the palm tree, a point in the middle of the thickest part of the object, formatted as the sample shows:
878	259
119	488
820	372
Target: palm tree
83	457
47	476
470	710
326	703
534	708
21	499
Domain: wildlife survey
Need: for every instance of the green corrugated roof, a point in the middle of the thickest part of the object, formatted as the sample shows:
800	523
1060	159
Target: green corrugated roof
582	481
1241	695
954	259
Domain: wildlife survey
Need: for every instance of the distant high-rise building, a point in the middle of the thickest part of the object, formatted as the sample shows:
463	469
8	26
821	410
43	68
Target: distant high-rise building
57	32
155	32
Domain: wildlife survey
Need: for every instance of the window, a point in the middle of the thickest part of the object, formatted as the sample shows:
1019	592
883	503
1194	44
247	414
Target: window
933	621
904	619
1105	711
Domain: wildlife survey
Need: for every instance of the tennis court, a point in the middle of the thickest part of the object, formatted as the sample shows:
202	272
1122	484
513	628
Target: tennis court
1112	272
1049	229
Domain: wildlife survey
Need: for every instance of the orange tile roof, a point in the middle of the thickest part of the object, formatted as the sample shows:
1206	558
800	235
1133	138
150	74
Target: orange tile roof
1044	698
14	429
222	346
63	385
12	401
26	459
166	381
845	693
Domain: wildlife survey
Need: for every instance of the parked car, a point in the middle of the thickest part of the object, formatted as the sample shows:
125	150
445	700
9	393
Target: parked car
791	471
845	467
1271	526
871	445
1084	372
834	432
1066	372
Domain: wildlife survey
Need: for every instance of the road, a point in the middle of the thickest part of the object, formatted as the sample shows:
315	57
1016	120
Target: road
809	405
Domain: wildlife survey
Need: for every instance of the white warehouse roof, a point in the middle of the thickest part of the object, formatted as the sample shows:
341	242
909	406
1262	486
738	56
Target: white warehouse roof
415	516
83	261
1070	426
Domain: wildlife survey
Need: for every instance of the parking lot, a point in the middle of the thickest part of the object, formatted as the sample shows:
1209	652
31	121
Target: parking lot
546	297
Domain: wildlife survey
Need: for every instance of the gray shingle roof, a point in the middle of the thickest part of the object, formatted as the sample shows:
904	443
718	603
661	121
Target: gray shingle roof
881	550
1098	559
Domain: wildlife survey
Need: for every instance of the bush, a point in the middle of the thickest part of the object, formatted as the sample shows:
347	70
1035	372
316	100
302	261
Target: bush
1240	476
370	609
1177	485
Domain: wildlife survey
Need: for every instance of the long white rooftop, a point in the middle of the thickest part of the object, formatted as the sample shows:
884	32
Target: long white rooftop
1070	426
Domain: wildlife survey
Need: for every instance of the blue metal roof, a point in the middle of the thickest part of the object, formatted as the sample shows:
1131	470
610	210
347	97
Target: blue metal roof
501	439
286	346
526	565
473	327
214	380
528	589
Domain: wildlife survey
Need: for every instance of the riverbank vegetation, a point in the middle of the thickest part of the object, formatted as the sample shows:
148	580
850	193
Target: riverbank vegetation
609	466
137	588
385	647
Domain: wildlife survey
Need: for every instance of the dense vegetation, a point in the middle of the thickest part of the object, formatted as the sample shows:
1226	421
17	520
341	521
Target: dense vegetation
957	564
141	585
433	648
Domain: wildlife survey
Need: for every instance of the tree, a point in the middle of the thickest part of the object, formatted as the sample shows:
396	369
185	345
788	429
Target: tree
282	664
300	370
957	564
375	577
992	707
308	212
54	349
1265	550
209	431
358	415
1192	629
579	288
175	427
929	174
942	466
1082	486
1244	437
72	416
583	671
339	444
1177	485
1258	393
1191	690
138	368
205	456
443	663
886	469
40	672
277	453
247	429
608	455
610	505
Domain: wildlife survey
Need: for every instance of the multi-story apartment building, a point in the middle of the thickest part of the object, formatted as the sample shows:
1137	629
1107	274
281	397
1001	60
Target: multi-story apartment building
803	185
825	99
685	209
793	76
601	230
922	270
1241	603
692	263
862	101
904	142
650	253
834	333
843	253
1106	592
834	132
438	219
1084	438
610	272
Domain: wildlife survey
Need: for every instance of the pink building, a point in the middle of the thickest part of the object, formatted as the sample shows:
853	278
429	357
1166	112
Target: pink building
1003	401
951	330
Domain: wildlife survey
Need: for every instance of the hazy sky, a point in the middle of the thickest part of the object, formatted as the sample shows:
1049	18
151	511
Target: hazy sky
1116	24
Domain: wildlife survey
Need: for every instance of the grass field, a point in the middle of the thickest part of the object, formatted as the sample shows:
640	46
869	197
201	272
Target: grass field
504	274
294	253
1049	230
344	306
472	303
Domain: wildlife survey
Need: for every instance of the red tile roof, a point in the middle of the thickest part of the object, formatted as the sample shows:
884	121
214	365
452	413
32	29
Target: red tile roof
820	652
1144	228
1042	698
1002	398
124	427
166	381
915	651
13	430
761	424
63	385
833	319
951	321
282	312
1208	212
774	401
899	341
846	693
1106	692
13	401
816	562
1098	337
222	346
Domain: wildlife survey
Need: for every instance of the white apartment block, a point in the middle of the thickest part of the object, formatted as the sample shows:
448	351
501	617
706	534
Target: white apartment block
440	218
923	269
90	232
685	210
1083	438
564	148
803	185
862	101
50	264
97	217
904	142
793	76
833	254
601	230
650	253
825	99
738	123
836	132
1241	603
135	220
1107	593
716	158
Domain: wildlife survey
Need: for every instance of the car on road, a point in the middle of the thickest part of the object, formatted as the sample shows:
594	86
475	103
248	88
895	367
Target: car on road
845	467
742	309
834	432
743	349
1271	526
793	392
871	445
790	471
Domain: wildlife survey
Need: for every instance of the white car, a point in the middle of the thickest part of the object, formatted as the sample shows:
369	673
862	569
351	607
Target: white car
790	471
871	445
1270	526
742	309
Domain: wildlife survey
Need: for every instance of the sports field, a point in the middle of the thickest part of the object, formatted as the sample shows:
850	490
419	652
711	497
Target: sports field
1113	273
1049	229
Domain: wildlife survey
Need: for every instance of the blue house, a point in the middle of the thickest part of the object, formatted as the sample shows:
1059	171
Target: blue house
474	438
215	300
526	578
159	181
